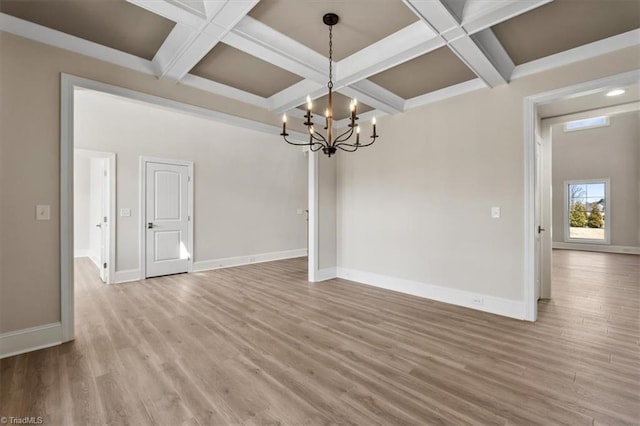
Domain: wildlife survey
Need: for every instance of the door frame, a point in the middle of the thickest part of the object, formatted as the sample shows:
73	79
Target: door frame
531	260
142	208
113	219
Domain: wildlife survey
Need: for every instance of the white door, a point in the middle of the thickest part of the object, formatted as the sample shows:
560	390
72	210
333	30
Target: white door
538	219
99	210
167	220
104	216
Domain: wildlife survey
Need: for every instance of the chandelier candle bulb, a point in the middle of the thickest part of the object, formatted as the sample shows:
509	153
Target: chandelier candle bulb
358	135
284	124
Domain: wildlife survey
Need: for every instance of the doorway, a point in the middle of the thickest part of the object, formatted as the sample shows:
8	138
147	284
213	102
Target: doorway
537	196
166	211
94	210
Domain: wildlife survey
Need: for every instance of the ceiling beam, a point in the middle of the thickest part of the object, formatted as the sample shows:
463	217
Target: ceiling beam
403	45
483	54
375	96
259	40
195	34
262	41
480	14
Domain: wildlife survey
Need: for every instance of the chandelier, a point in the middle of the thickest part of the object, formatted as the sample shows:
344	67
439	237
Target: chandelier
328	143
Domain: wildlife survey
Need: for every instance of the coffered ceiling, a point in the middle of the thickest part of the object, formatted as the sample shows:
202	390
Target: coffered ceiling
390	54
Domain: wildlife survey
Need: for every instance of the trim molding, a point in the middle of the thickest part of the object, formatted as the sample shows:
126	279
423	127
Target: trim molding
481	302
577	54
596	247
127	276
229	262
30	339
326	274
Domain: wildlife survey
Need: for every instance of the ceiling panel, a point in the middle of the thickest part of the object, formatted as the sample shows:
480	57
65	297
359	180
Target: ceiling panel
362	22
565	24
113	23
340	106
235	68
435	70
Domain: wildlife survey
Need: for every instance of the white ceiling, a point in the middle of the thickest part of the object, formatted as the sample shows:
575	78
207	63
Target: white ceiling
590	101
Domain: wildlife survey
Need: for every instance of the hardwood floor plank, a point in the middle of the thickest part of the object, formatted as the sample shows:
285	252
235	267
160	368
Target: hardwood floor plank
260	345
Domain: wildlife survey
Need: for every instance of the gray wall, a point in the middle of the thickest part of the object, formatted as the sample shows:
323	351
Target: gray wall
248	184
605	152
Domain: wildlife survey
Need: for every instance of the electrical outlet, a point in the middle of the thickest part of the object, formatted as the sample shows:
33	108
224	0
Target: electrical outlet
495	212
479	301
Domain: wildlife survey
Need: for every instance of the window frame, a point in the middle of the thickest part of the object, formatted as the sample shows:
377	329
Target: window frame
607	122
607	209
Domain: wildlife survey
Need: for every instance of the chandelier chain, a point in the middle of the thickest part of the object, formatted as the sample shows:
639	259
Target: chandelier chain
330	84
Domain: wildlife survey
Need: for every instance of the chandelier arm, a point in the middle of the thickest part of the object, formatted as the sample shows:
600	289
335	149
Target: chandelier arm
318	145
360	145
297	143
339	139
373	139
342	147
321	139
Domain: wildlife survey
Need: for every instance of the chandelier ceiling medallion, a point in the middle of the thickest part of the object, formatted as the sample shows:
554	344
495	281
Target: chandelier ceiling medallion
317	140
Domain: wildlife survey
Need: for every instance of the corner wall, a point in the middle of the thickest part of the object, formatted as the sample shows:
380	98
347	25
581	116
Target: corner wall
30	166
414	209
248	185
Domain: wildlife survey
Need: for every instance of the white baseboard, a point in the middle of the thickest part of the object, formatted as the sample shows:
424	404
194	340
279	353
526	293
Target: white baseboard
596	247
82	253
208	265
30	339
96	261
326	274
482	302
126	276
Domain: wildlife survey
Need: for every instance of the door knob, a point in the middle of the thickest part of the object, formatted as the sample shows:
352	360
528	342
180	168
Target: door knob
149	225
99	225
540	229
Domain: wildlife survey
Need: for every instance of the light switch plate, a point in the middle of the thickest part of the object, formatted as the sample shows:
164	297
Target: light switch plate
495	212
43	212
125	212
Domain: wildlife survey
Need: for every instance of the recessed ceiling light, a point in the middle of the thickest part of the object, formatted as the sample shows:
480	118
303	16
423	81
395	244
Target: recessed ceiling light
616	92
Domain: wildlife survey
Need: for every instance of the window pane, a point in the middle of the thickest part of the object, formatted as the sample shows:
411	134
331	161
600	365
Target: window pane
587	210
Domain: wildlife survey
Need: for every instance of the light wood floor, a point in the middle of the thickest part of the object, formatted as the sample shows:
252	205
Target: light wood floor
259	345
